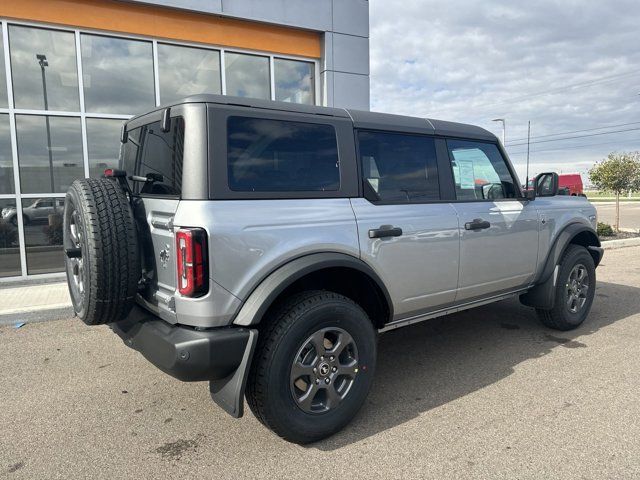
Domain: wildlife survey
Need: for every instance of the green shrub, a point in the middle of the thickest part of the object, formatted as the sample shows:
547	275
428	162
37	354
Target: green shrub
604	230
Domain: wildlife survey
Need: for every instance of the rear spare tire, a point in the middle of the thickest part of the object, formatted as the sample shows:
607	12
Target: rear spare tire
101	250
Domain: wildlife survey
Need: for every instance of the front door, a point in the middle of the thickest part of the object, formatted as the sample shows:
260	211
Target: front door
407	235
498	228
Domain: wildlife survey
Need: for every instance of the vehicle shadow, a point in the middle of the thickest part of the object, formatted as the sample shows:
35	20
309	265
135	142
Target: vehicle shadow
424	366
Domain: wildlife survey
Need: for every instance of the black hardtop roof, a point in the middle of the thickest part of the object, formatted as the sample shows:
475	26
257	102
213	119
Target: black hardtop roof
361	118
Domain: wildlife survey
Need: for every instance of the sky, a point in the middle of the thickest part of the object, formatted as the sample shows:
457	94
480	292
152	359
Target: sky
570	67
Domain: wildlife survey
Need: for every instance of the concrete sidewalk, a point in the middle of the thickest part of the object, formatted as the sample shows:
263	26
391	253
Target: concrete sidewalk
32	303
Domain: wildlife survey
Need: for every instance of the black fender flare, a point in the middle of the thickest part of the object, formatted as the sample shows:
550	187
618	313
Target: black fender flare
542	295
262	297
228	392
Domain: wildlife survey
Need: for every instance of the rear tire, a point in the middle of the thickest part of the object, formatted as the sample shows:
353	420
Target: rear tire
102	257
575	289
321	330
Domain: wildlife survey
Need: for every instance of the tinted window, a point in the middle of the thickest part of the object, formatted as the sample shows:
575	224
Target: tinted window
479	171
294	81
187	71
4	103
44	61
247	75
280	156
49	152
399	168
6	157
117	74
103	144
150	151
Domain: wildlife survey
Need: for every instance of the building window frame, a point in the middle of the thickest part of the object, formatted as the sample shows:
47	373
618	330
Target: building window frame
18	196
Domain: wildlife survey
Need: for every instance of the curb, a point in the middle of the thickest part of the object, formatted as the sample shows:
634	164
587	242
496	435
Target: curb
622	243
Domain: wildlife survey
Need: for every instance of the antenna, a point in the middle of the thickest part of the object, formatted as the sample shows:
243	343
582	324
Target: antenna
528	141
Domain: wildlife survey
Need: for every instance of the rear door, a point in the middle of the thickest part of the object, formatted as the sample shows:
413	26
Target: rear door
407	234
498	228
150	151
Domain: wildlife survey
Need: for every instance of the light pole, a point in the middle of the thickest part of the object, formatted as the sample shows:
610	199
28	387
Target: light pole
504	127
42	61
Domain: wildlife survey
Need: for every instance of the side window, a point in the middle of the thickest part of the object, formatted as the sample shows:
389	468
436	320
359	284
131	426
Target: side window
398	168
480	172
130	150
162	154
149	150
266	155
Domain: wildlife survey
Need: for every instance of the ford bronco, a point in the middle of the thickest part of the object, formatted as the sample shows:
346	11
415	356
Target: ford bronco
262	246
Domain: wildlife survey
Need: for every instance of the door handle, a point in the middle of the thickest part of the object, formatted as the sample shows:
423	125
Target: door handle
385	231
477	224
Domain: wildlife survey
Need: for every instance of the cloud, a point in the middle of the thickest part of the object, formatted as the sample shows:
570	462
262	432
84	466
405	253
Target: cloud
565	66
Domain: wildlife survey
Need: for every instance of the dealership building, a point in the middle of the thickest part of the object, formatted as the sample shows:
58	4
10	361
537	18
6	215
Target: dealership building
71	71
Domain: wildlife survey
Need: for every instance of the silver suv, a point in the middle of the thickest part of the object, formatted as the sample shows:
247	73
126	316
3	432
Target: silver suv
261	246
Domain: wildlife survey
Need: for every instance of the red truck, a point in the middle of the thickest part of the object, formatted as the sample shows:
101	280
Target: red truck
568	184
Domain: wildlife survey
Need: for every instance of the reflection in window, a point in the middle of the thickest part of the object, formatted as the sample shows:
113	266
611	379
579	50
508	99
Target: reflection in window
187	71
280	156
162	154
294	81
399	168
9	254
4	101
44	61
6	159
480	171
247	75
43	234
103	144
49	160
117	75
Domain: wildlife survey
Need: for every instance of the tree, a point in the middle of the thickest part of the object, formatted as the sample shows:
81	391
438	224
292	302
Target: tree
618	173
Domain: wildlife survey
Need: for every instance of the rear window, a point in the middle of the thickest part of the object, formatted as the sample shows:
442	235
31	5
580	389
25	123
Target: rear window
149	150
266	155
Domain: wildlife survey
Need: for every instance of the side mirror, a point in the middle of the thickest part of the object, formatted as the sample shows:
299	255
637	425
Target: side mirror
124	135
546	184
530	193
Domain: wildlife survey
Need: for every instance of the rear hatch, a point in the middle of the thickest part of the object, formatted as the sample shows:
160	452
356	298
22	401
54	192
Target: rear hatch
155	150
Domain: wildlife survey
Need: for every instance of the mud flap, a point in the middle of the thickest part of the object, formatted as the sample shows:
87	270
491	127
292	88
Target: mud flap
228	393
542	295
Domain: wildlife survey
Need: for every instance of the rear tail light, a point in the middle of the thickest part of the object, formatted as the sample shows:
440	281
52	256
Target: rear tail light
193	274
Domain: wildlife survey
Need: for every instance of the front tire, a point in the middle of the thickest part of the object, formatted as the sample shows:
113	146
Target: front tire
575	289
313	366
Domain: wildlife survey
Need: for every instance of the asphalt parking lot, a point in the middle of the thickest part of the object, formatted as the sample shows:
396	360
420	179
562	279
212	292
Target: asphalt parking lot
629	213
487	393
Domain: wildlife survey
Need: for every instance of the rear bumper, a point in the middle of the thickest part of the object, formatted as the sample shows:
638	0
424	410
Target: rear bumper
182	352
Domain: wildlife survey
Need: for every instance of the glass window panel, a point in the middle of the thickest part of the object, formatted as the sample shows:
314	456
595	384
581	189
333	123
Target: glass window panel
9	246
162	153
187	71
294	81
247	75
43	234
117	75
58	65
4	100
103	144
399	168
278	156
6	159
49	162
479	171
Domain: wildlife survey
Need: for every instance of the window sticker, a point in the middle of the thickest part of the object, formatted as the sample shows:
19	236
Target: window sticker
467	176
